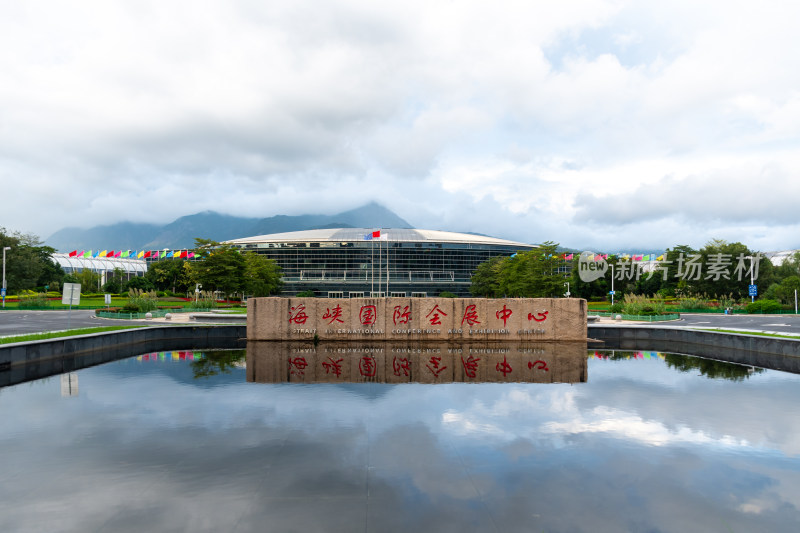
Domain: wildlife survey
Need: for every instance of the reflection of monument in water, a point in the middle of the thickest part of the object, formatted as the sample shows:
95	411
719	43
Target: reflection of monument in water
423	340
392	362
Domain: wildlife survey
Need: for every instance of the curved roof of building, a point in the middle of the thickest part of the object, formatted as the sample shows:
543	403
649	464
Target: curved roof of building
100	263
390	234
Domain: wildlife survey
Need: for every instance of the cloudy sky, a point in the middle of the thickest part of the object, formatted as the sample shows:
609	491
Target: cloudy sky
597	124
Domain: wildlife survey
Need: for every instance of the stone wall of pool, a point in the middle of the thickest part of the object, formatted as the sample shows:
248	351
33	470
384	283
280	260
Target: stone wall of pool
64	354
754	350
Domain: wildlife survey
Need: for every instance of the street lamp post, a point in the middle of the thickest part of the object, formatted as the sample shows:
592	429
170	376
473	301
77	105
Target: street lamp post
612	283
567	284
4	274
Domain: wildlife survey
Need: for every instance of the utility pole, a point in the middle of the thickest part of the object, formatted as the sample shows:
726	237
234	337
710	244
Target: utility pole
4	275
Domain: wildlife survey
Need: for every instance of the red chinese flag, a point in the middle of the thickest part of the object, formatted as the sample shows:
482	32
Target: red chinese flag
147	253
376	234
73	253
184	253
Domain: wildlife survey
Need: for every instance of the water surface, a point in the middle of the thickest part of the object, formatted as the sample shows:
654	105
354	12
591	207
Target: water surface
182	441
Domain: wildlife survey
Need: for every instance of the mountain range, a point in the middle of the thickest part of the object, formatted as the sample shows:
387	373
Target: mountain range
215	226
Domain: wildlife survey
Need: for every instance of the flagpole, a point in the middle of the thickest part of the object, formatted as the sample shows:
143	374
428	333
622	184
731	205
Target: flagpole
372	266
387	266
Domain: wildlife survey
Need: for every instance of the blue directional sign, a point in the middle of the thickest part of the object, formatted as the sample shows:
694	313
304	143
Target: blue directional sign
753	290
3	292
612	292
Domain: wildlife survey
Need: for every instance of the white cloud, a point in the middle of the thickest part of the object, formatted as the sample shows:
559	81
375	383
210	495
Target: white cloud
517	119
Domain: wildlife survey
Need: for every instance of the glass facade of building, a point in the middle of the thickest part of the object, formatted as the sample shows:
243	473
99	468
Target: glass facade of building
341	263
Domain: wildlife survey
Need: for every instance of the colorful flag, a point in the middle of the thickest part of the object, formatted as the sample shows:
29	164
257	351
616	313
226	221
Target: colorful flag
191	254
660	257
647	257
103	253
126	253
569	257
170	254
147	254
368	237
73	253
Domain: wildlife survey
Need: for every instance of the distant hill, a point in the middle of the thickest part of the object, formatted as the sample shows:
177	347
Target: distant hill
211	225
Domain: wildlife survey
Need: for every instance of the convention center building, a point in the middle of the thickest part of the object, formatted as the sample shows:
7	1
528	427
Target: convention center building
360	262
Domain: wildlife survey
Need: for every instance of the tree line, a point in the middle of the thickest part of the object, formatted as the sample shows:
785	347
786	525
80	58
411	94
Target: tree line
217	267
541	273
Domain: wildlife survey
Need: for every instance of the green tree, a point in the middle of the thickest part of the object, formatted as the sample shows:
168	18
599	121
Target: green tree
114	281
89	280
139	282
169	275
262	275
28	263
222	269
593	290
531	274
486	278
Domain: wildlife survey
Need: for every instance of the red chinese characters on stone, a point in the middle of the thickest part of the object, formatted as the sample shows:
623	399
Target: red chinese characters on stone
470	365
434	366
333	315
401	365
297	366
538	317
538	365
503	314
436	311
298	314
333	367
503	367
368	314
401	315
367	366
470	316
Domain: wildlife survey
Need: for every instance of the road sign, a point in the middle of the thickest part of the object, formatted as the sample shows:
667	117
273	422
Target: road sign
72	294
753	290
612	292
3	292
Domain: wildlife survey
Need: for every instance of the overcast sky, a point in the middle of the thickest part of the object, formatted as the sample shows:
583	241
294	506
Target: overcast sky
597	124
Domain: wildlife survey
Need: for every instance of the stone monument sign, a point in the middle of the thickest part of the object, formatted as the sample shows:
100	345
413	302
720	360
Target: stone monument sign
417	319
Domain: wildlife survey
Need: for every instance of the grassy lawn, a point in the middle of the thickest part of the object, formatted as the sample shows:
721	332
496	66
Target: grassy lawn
98	301
68	333
758	333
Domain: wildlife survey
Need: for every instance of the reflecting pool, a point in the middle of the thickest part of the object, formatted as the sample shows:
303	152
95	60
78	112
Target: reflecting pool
239	441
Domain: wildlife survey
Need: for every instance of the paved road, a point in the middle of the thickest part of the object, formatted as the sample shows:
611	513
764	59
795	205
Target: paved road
19	322
771	323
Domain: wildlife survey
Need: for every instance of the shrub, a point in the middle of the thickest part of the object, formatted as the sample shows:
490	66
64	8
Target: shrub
306	294
694	302
205	300
33	302
764	306
633	304
140	301
447	294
